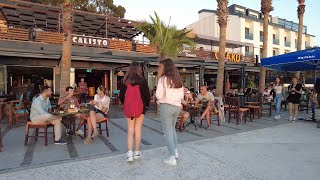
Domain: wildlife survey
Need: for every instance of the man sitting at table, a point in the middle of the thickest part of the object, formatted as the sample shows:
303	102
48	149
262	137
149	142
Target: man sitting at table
40	113
65	102
207	100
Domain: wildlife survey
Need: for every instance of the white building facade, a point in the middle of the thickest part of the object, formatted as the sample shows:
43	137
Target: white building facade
246	25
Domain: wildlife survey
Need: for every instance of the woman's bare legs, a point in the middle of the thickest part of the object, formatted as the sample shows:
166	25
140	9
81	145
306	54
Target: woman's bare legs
290	109
94	122
130	133
296	110
138	132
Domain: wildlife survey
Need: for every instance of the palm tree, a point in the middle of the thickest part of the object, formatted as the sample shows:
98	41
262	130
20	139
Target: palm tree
301	10
223	21
65	65
167	39
266	8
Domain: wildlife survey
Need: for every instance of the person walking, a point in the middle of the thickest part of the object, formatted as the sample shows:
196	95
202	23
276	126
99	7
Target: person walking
169	93
135	97
279	94
83	89
295	91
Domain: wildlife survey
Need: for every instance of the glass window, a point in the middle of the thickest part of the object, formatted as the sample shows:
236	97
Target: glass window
247	30
274	52
247	48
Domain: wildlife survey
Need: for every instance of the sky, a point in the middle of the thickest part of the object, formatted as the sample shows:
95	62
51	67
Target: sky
185	12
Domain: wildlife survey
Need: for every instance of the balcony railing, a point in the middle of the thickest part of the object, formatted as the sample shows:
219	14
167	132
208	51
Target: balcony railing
17	34
287	43
276	41
249	53
249	36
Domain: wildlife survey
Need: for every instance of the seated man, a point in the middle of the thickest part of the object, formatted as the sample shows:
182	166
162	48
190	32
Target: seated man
66	102
207	100
40	113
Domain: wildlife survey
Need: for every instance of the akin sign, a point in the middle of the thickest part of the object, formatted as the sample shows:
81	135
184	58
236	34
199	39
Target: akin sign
89	41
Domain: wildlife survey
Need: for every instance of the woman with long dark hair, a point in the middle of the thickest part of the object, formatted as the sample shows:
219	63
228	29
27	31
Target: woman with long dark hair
169	94
100	103
134	78
279	91
295	91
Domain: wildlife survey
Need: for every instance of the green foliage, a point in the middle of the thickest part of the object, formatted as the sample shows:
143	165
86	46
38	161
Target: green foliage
95	6
250	82
168	39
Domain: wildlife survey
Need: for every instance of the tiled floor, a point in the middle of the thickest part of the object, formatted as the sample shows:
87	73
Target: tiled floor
16	155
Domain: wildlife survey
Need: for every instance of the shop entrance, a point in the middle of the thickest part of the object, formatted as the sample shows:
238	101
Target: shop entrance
94	78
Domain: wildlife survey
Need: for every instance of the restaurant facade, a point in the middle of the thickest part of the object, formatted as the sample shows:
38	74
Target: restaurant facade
103	47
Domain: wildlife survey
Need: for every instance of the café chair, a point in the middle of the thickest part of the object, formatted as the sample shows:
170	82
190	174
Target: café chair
37	126
236	110
99	123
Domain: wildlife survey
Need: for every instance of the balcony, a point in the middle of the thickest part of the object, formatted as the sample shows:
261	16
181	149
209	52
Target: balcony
287	43
261	38
276	41
57	39
249	36
248	53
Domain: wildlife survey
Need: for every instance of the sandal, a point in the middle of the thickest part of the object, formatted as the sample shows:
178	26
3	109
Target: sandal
88	141
95	134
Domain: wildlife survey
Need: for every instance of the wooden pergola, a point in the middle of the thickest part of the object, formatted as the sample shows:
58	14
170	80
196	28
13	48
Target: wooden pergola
21	14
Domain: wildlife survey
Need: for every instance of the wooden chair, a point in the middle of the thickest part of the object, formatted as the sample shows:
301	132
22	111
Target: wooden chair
178	123
255	106
99	122
37	126
235	109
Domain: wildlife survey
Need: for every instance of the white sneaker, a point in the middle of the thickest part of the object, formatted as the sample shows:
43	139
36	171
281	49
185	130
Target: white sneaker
277	117
129	156
294	119
176	154
290	119
80	132
170	161
137	155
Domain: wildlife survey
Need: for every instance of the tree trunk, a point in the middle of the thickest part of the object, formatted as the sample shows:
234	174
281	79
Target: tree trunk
262	77
65	65
221	62
300	31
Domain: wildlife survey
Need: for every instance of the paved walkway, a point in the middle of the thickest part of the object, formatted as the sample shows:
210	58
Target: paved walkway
287	151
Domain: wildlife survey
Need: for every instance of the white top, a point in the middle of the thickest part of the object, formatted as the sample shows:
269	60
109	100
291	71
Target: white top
278	89
164	94
102	102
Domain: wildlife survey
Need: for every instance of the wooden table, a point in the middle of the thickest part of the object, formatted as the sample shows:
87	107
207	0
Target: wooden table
70	116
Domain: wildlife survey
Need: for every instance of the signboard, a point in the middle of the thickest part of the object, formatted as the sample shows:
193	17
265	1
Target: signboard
233	57
188	52
89	41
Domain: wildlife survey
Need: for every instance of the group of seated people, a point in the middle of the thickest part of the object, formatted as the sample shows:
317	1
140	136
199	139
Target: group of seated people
41	111
205	99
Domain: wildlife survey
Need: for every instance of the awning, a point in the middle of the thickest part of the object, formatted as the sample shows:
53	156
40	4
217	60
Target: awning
305	60
214	41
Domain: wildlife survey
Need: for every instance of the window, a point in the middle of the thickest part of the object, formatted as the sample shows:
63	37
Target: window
285	39
274	52
247	48
261	33
247	30
274	36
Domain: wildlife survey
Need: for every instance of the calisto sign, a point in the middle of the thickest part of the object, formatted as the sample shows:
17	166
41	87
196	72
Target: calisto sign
89	41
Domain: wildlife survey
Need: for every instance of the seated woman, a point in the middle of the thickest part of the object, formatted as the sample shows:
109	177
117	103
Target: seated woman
184	114
101	105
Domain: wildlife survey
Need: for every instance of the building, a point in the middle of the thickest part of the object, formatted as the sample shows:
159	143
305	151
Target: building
246	25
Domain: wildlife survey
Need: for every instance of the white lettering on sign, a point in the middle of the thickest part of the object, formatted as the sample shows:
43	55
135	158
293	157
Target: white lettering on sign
88	40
